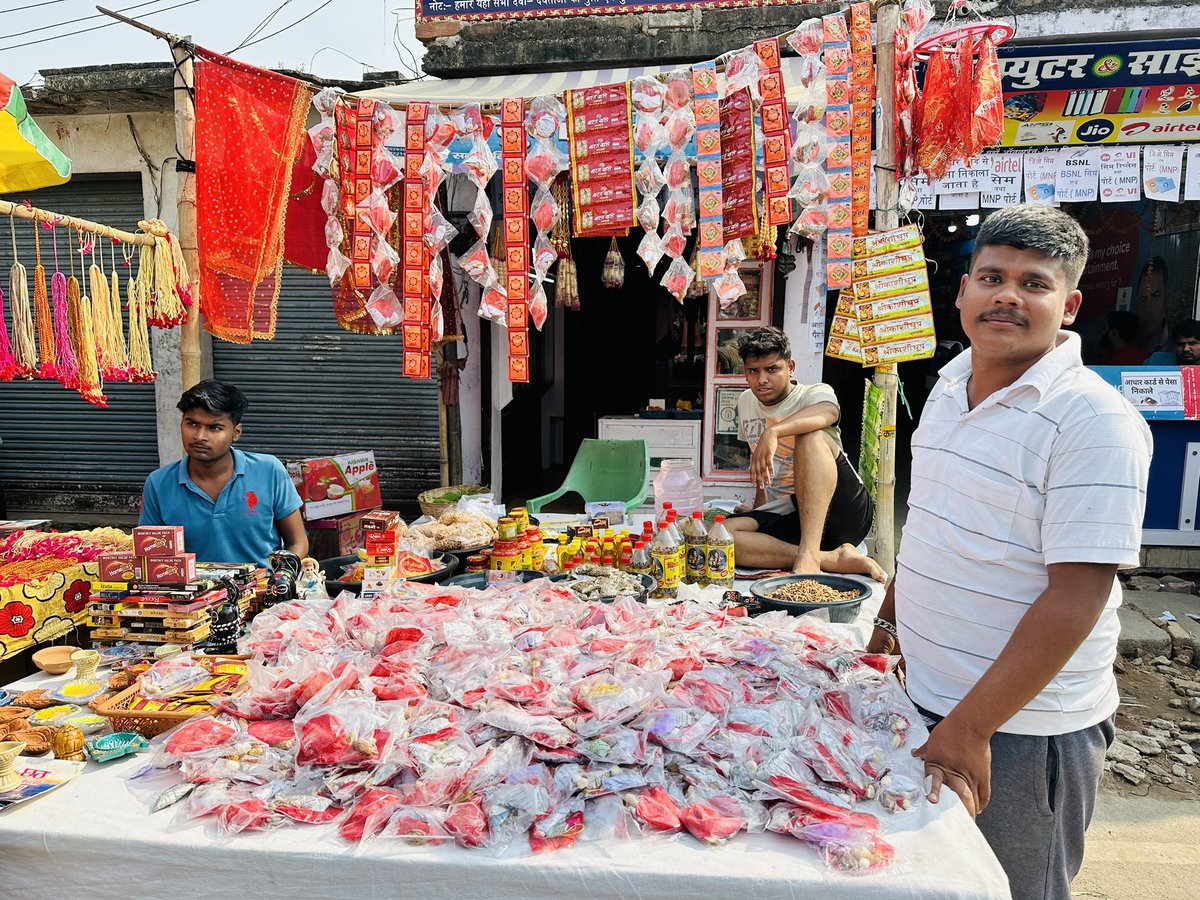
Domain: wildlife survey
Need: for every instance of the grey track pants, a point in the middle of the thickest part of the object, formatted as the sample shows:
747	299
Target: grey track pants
1043	794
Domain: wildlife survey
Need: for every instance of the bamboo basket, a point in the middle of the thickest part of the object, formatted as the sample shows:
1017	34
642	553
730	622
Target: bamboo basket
431	501
151	723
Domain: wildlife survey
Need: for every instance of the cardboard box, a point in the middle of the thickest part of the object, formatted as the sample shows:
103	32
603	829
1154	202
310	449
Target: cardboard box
116	567
376	545
336	485
158	540
381	520
335	536
167	569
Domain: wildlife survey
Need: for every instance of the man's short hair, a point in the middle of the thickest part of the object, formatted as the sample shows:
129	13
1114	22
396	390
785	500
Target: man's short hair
1042	229
1124	323
1189	328
215	398
760	342
1155	264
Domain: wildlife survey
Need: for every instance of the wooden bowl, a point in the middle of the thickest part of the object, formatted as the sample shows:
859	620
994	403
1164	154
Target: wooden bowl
55	660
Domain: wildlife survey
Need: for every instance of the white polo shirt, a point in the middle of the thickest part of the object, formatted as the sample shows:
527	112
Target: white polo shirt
1051	469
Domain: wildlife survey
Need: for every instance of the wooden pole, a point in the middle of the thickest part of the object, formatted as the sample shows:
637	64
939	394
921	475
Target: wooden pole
185	196
21	211
887	216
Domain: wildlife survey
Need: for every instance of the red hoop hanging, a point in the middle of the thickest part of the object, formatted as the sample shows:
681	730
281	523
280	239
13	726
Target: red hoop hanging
998	31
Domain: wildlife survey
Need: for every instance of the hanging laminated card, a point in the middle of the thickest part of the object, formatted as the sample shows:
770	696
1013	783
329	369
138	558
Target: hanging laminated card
708	167
515	208
838	119
415	295
600	137
739	208
776	134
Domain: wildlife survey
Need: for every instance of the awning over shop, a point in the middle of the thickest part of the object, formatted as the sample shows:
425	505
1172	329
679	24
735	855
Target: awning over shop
494	88
28	159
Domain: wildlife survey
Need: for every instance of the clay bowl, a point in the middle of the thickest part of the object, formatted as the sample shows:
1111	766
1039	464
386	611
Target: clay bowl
55	660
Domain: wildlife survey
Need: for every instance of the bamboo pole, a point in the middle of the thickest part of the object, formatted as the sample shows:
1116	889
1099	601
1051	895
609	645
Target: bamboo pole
21	211
185	196
887	194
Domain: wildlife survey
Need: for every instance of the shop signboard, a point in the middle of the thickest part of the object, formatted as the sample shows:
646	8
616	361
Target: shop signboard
534	9
1134	92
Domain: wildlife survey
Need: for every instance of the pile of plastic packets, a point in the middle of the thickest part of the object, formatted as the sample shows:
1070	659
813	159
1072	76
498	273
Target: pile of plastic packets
495	718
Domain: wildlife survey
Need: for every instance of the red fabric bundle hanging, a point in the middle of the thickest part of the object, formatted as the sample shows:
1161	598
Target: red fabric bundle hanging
987	100
937	143
249	123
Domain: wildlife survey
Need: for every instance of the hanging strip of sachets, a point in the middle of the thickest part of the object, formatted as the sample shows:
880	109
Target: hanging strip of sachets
543	165
838	163
600	137
810	147
739	209
776	136
440	133
515	190
862	85
415	290
708	168
650	137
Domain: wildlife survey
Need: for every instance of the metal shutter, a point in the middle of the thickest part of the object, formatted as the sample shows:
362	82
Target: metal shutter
317	390
52	440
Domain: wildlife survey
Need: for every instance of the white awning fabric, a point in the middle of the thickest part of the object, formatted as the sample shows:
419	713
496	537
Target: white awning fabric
494	88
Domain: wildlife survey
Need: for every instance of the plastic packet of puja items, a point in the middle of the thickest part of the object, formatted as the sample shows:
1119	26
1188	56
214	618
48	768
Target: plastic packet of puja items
480	163
649	177
615	698
728	287
384	170
681	125
561	826
481	214
651	250
546	116
807	38
347	732
902	788
385	307
657	809
715	820
438	232
648	213
677	278
811	146
512	808
812	222
492	305
439	132
674	241
678	171
547	731
545	254
810	186
649	135
417	826
679	89
648	94
742	71
476	262
375	213
173	676
544	210
384	259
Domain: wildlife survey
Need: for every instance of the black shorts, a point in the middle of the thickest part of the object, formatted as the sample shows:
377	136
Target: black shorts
848	521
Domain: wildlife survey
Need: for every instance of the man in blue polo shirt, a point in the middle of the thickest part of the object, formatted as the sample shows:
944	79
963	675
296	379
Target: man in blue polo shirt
233	506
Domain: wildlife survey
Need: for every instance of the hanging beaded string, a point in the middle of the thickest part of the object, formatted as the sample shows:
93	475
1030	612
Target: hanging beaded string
160	292
121	372
8	365
24	341
101	312
45	321
67	369
83	335
141	369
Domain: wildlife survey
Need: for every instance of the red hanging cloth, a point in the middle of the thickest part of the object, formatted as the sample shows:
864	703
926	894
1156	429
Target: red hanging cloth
249	123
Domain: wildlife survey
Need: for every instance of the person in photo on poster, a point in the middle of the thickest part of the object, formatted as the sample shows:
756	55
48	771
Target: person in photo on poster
1185	341
1029	480
1150	306
1119	340
811	509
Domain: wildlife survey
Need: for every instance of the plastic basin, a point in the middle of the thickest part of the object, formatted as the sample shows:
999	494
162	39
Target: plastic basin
843	611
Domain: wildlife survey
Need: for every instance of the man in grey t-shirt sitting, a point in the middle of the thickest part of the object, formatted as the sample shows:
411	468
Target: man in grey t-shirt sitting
811	509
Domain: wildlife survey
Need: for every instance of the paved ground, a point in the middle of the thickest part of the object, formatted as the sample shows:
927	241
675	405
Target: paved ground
1141	848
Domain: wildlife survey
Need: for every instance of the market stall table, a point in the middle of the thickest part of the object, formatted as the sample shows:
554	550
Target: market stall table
95	835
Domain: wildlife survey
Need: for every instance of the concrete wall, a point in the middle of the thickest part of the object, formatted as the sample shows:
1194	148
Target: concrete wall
457	49
106	145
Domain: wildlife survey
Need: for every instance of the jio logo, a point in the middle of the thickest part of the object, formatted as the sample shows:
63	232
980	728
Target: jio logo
1094	130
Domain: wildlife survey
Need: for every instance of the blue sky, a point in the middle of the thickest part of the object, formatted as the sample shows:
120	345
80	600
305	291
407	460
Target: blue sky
338	40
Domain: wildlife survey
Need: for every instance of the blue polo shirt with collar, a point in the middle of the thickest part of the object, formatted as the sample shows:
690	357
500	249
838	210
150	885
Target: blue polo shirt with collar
239	526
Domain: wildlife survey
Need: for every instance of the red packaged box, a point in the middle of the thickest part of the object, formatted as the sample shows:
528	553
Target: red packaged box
158	540
179	569
116	566
337	485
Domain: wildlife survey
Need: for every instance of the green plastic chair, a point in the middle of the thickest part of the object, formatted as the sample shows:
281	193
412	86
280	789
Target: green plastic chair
604	470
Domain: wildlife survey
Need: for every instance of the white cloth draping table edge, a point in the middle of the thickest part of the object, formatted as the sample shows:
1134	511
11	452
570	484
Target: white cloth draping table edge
95	836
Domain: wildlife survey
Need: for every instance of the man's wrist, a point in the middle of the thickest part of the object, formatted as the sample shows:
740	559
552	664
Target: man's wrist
889	627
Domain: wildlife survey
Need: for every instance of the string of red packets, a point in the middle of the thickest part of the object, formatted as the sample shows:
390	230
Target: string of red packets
417	339
515	190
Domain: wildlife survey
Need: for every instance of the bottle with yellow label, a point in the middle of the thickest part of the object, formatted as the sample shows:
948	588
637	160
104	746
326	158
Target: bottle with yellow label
695	537
720	554
664	557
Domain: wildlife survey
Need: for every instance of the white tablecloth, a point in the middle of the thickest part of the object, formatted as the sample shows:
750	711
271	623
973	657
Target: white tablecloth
94	839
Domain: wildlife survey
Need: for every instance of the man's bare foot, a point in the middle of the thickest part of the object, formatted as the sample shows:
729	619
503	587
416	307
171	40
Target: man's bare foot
808	565
848	561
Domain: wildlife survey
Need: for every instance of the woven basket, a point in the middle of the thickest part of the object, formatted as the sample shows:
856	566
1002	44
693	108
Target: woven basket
149	723
432	503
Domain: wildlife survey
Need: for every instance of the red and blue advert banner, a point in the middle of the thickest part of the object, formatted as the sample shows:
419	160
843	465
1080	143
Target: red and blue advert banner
532	9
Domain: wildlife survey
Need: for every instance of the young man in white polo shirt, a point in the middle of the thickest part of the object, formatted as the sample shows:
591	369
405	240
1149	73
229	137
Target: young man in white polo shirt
1028	491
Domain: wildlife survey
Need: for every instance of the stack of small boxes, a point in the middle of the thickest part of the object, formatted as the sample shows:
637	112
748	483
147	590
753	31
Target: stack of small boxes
381	535
158	594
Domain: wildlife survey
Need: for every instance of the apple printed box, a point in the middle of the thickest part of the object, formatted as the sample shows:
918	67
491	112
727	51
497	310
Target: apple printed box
336	485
